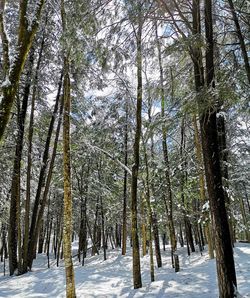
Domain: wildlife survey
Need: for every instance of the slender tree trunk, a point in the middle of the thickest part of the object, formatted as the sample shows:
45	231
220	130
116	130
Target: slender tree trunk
49	177
41	181
94	240
124	214
135	168
29	162
221	128
154	221
168	196
181	236
48	236
67	228
83	229
83	191
117	235
103	231
241	39
187	223
14	227
156	239
207	225
59	244
149	215
91	237
246	196
143	229
245	222
42	234
224	252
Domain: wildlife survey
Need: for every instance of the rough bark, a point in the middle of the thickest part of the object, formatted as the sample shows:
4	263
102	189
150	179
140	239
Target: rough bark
41	181
156	239
67	226
29	162
104	245
224	252
124	213
149	215
83	190
198	148
26	35
135	168
49	176
241	39
187	223
14	234
221	128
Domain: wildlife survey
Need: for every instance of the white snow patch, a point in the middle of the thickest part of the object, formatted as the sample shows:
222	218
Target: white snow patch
6	82
113	277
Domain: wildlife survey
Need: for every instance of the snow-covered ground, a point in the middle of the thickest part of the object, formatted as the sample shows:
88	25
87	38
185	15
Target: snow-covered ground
112	278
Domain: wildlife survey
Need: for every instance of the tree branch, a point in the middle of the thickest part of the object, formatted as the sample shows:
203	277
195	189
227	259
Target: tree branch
110	156
4	38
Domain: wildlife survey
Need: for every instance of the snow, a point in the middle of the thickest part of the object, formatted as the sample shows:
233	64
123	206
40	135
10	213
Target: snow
221	114
113	277
6	83
205	207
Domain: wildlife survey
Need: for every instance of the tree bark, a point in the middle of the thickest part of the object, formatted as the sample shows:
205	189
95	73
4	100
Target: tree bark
14	227
29	162
13	72
135	168
83	219
224	252
67	226
41	181
149	215
207	225
241	39
168	195
221	128
124	213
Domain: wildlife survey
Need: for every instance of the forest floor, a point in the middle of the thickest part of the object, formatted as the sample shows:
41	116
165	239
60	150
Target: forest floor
113	277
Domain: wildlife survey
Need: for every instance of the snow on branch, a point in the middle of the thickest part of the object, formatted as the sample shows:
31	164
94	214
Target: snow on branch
96	148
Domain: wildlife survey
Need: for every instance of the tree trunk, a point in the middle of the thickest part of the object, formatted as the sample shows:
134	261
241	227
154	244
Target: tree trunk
207	225
83	190
25	39
168	196
224	252
245	222
14	227
49	177
187	223
156	239
41	181
67	226
241	39
221	128
103	231
83	230
149	215
124	213
29	162
94	241
143	229
181	240
135	168
42	234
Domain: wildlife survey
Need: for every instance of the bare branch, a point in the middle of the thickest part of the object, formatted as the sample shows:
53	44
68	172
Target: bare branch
110	156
